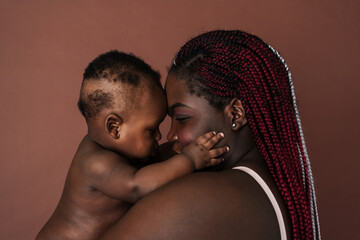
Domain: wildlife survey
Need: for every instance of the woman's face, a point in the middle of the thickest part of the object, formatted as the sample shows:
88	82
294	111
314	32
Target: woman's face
191	116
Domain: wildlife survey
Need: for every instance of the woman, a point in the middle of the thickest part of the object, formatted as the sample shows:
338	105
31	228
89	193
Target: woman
233	82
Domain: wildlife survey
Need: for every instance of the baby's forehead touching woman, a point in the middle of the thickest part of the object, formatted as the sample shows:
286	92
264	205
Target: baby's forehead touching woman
124	97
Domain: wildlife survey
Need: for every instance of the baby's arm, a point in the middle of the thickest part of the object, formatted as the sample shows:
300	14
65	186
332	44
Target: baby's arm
195	156
121	181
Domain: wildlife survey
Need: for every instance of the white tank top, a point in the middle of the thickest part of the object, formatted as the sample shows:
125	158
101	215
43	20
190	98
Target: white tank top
271	197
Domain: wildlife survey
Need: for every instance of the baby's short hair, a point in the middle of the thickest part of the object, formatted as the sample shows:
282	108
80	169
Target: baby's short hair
112	67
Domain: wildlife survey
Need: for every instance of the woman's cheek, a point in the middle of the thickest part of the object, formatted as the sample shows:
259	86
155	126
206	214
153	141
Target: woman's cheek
185	137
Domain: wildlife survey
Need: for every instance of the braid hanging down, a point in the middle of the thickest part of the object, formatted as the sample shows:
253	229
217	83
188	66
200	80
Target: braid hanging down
221	65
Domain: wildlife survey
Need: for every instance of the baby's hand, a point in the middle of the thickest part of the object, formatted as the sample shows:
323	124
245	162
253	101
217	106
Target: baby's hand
201	153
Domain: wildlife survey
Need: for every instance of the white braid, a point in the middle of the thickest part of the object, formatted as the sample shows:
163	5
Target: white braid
302	165
173	62
314	211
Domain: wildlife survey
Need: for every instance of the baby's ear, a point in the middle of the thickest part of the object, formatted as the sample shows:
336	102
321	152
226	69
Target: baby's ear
113	125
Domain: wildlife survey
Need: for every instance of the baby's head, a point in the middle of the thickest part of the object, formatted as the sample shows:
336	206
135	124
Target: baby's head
123	102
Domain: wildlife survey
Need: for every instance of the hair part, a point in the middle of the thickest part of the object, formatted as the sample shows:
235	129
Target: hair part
196	83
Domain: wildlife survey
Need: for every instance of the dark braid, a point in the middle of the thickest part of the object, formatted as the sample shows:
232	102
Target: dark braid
222	65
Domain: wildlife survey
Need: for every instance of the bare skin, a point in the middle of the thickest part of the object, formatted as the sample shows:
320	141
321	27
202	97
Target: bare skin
227	204
105	178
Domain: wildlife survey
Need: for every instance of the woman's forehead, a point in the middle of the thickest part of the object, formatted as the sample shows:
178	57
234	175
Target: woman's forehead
176	88
179	96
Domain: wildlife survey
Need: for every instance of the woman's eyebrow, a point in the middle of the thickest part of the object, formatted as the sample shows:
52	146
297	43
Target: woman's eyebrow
175	105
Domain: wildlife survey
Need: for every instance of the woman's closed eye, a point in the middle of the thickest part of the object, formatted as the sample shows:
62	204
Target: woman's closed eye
181	118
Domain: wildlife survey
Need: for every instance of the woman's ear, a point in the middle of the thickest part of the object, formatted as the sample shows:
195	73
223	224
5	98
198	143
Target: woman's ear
113	125
236	114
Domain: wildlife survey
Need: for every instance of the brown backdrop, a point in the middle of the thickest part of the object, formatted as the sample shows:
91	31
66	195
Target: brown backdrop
45	46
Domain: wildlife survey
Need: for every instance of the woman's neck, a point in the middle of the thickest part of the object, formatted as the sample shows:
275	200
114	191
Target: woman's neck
245	153
243	150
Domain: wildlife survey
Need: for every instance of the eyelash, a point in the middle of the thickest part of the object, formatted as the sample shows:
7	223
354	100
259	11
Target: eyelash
181	119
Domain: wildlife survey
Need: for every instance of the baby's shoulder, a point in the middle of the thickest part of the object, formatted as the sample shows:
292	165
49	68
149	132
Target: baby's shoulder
97	161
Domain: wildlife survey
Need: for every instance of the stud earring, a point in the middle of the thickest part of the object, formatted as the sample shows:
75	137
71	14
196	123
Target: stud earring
233	125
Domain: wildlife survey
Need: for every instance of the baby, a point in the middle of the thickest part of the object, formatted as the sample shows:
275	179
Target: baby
123	103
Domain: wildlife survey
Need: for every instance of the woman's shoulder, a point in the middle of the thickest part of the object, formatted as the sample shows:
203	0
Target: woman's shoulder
203	184
212	205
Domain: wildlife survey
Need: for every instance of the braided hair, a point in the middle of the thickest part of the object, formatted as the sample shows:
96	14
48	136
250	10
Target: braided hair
222	65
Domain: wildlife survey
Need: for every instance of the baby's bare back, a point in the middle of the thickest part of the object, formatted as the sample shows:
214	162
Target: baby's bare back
83	211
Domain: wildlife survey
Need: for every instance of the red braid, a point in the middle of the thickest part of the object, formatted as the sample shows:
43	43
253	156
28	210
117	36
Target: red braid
228	64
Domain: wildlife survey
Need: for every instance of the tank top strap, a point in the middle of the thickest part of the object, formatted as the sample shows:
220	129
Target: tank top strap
270	195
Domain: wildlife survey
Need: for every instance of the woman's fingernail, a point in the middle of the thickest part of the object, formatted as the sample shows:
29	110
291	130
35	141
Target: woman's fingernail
221	134
227	148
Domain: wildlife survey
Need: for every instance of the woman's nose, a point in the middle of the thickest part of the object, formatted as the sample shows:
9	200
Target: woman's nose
172	134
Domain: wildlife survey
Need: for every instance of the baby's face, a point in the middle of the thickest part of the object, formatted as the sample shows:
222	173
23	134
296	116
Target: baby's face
140	132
